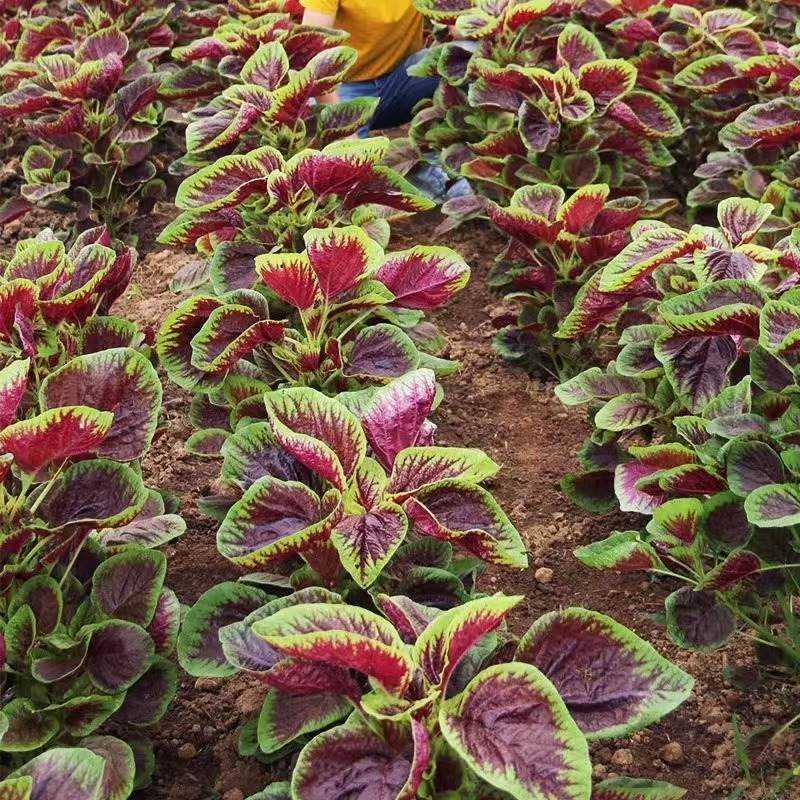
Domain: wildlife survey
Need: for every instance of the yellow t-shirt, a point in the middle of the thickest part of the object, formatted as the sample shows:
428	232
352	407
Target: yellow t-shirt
383	31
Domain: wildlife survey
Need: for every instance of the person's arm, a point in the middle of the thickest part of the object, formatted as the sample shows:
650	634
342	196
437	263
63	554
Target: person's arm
321	19
322	14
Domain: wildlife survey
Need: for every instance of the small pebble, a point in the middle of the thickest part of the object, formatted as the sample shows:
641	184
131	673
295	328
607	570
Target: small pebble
233	794
207	684
622	758
672	753
543	575
186	752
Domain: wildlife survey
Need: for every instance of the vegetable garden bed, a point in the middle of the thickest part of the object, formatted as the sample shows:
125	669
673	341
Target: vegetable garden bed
522	426
280	519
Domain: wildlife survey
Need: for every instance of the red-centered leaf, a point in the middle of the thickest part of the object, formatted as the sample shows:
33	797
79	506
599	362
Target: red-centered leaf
241	121
774	506
536	129
173	344
121	381
542	199
581	209
148	699
677	521
310	677
318	431
396	415
341	635
696	620
697	366
94	493
252	452
274	519
535	751
189	83
330	67
592	490
777	67
267	67
381	351
14	208
528	227
42	595
120	765
577	46
725	307
647	252
246	651
134	97
368	487
647	461
623	551
770	124
346	170
423	277
41	262
593	307
741	218
285	717
607	81
469	517
408	617
614	683
68	772
199	649
292	100
128	585
229	334
83	715
715	74
26	99
55	435
449	637
779	326
341	257
367	541
718	20
416	467
290	276
166	622
17	301
351	762
647	115
13	383
751	464
119	654
736	568
226	182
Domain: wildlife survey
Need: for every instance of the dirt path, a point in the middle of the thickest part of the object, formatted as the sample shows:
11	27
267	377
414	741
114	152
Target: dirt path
522	426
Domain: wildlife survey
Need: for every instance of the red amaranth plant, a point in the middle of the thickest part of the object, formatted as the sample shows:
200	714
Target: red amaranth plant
556	246
353	311
448	703
242	206
273	103
696	426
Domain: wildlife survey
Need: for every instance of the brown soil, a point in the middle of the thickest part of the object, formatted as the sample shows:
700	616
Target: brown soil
519	422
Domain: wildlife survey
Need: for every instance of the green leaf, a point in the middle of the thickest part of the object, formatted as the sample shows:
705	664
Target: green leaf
774	506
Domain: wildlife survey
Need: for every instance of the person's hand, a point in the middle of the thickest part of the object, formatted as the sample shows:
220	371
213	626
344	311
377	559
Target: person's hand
320	19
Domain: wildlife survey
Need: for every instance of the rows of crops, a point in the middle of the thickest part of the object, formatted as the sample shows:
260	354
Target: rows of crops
640	161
